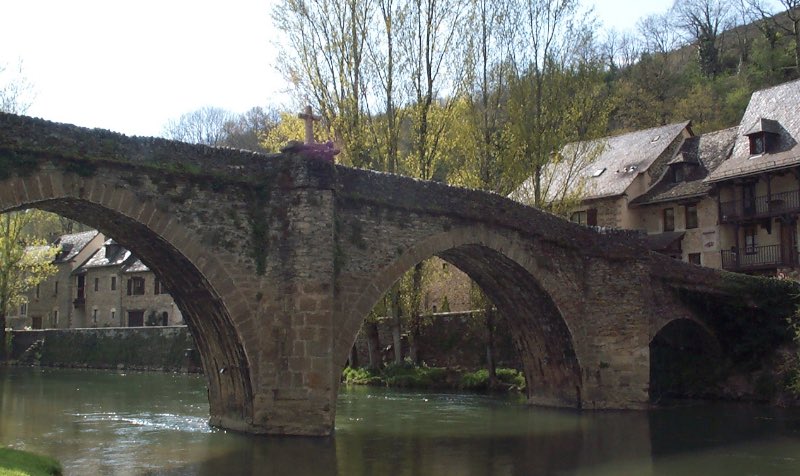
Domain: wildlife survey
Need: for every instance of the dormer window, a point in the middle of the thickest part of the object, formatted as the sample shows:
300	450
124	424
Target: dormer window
763	136
757	144
678	173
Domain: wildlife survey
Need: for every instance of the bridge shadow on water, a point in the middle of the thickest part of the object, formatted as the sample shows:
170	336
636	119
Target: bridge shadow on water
689	439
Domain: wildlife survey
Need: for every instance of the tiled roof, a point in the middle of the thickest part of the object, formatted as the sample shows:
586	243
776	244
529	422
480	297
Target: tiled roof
136	267
72	244
702	154
110	254
780	105
608	166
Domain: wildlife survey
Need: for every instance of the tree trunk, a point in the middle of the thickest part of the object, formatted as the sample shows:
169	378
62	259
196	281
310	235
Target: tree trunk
352	360
4	337
374	345
491	363
416	314
397	329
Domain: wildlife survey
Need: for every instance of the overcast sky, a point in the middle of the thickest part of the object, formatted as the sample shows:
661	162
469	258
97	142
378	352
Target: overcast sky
130	66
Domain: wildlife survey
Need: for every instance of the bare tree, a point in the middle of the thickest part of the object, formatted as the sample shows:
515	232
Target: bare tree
658	33
16	92
248	130
203	126
703	21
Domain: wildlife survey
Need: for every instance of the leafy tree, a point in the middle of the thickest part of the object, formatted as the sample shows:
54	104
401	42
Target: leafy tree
24	263
325	60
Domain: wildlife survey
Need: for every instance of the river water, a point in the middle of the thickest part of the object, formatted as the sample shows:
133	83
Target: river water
99	423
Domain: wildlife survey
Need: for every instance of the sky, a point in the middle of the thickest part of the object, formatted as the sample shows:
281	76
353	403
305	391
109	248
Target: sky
131	66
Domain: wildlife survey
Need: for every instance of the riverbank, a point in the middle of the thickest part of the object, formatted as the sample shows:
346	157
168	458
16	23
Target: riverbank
435	378
22	463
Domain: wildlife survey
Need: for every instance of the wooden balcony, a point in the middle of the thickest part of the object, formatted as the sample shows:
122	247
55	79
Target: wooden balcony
764	206
758	258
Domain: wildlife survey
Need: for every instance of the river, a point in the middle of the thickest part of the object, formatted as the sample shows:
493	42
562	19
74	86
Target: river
99	423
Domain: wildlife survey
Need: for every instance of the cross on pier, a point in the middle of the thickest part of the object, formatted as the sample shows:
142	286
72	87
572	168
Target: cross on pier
309	118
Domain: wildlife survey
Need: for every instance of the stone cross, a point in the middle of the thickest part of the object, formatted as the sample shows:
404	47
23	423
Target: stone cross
308	116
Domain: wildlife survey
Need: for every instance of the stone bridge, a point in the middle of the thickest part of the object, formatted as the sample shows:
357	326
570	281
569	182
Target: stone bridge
275	261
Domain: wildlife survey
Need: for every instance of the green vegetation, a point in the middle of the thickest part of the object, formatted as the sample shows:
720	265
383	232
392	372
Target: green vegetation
407	375
23	463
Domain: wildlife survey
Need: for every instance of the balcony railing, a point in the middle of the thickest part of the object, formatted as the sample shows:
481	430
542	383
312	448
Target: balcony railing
760	207
755	257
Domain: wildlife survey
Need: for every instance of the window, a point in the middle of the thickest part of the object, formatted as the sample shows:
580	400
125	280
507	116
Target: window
23	309
694	258
591	217
55	288
136	286
96	284
113	316
757	143
677	173
578	217
750	240
113	283
585	217
55	317
691	216
669	219
94	316
158	288
37	291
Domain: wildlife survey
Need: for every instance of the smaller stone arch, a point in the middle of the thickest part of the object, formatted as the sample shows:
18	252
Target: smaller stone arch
684	360
507	274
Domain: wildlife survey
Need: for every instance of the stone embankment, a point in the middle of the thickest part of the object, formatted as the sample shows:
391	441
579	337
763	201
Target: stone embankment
169	349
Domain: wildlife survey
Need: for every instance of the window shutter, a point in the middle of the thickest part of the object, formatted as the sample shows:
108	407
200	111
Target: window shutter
130	287
591	217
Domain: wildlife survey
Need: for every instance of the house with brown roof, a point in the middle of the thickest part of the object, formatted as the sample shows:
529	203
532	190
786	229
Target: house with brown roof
758	187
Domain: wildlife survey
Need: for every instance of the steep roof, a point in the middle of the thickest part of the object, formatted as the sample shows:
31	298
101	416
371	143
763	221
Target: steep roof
72	244
110	254
703	154
769	110
606	166
136	267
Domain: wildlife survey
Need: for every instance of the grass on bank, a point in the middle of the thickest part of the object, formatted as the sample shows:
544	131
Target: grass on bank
409	376
23	463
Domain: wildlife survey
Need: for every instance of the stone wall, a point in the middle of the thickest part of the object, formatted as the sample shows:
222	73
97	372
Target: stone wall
144	348
452	339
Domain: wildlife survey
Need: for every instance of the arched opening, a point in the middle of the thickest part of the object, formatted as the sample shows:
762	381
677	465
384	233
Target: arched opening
684	361
221	353
540	333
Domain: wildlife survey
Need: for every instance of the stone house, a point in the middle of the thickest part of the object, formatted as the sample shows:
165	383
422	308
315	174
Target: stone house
679	212
608	173
758	187
50	304
99	283
122	292
726	199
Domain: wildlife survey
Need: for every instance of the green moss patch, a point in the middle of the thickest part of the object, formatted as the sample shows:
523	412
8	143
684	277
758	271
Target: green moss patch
24	463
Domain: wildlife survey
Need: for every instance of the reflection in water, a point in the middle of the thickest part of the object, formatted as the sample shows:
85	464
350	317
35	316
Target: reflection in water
111	423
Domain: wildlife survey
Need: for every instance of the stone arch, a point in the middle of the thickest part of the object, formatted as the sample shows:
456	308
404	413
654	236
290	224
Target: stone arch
508	275
684	358
171	251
